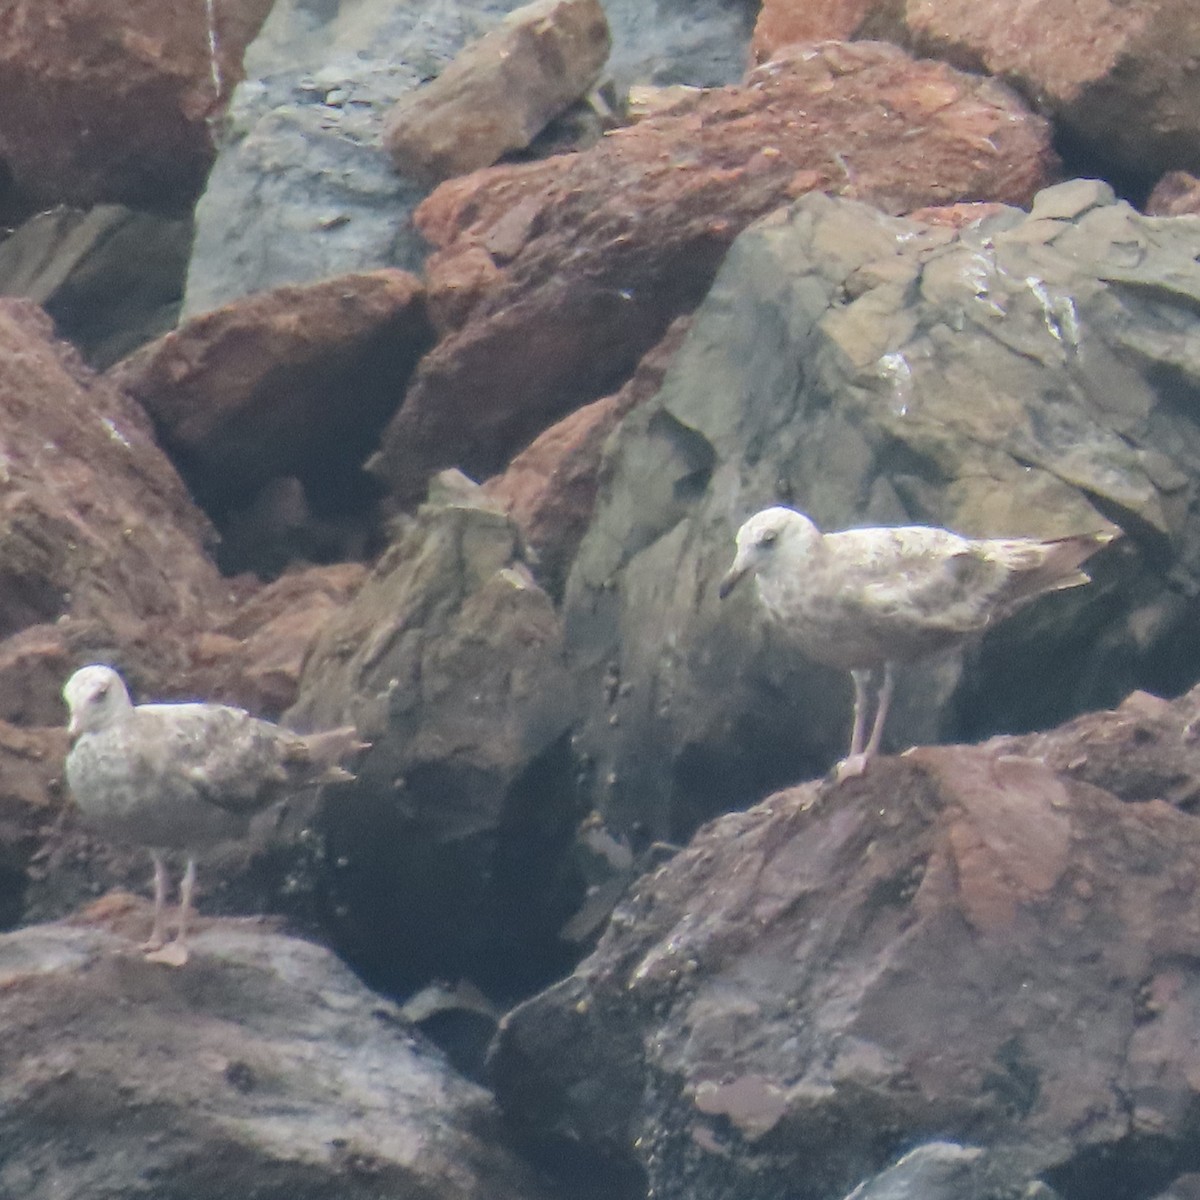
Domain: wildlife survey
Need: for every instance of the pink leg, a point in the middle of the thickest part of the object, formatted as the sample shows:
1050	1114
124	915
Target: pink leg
861	700
158	932
175	953
881	710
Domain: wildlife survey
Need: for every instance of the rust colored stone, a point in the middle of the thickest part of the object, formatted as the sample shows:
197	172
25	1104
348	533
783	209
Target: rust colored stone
786	22
594	254
110	100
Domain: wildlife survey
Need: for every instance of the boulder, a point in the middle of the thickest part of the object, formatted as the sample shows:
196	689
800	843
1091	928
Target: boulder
295	382
501	91
300	189
789	22
1002	378
112	100
1088	65
101	549
962	945
449	855
1174	195
549	489
111	277
262	1068
574	267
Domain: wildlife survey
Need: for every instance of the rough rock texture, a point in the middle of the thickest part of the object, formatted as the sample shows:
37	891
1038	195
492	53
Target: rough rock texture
301	190
549	489
501	91
449	849
295	382
111	278
97	533
1145	749
256	657
600	250
702	43
1028	375
962	944
788	22
263	1068
1088	64
111	101
1176	194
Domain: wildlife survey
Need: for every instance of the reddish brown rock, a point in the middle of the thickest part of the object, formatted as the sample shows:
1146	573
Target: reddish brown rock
549	489
1175	194
501	91
99	536
1146	749
110	100
1088	64
255	658
963	944
297	381
786	22
595	253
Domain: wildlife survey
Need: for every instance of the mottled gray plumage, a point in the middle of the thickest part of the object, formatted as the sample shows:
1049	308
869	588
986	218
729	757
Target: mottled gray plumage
867	598
183	776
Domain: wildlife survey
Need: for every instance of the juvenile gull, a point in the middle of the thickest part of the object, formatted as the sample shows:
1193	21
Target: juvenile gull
869	598
182	777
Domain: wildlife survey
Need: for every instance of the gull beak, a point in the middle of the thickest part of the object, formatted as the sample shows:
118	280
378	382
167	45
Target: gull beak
73	725
733	577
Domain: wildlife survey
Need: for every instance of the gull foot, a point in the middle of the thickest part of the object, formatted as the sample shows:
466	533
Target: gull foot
171	955
152	943
851	767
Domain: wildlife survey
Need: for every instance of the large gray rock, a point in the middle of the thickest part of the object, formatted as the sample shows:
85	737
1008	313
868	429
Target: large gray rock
1030	374
263	1068
301	187
449	851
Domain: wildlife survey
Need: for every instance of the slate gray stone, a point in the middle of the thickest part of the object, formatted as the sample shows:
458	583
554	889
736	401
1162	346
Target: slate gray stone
452	849
111	277
1029	375
301	187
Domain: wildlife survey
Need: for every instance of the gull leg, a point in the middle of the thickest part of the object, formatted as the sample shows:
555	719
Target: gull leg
861	681
175	953
881	710
158	932
856	761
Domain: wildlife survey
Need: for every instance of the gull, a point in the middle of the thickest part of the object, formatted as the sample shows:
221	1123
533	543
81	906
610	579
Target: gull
182	777
865	599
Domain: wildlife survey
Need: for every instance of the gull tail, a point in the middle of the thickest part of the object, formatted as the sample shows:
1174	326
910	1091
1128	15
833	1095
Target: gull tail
326	749
1052	564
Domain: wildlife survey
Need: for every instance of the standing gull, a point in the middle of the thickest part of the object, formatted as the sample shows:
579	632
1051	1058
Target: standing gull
182	777
869	598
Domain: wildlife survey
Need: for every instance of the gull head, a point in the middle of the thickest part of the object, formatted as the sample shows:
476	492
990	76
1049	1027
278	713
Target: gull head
96	698
768	539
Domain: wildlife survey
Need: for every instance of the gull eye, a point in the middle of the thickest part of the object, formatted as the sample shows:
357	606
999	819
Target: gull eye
769	538
102	691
